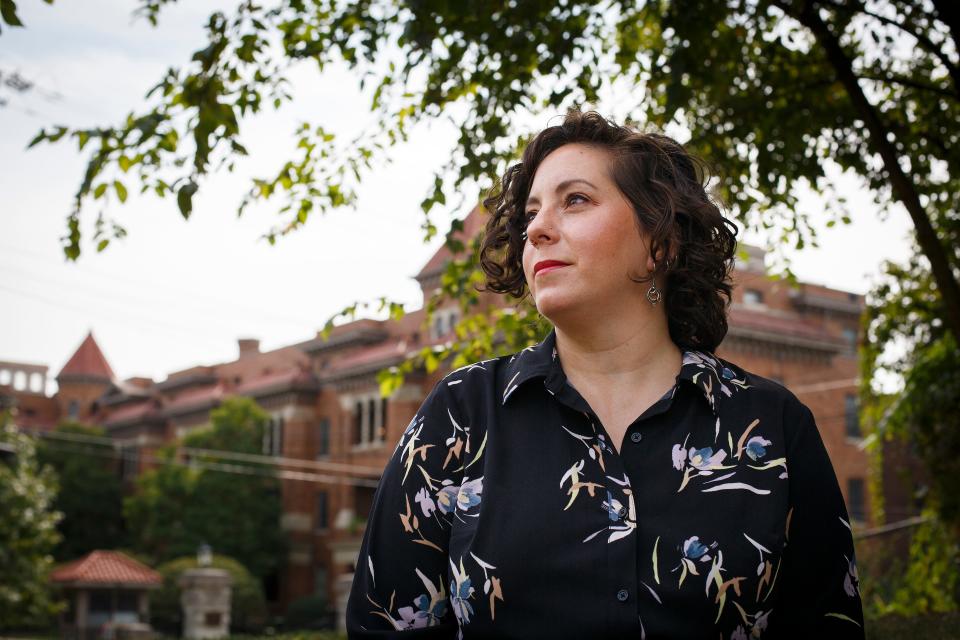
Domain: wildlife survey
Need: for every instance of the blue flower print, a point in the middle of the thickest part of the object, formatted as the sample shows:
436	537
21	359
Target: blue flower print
705	460
428	613
447	497
694	549
469	494
461	591
756	447
613	507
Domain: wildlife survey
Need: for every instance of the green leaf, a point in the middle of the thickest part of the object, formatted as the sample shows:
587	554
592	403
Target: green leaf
8	10
100	190
121	190
185	199
103	244
37	139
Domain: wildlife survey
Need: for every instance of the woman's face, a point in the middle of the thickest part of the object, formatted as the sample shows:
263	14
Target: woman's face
583	241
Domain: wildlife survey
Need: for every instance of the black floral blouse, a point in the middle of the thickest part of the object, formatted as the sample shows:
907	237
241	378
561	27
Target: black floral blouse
505	512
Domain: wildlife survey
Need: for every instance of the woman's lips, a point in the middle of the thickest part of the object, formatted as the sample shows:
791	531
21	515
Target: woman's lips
548	265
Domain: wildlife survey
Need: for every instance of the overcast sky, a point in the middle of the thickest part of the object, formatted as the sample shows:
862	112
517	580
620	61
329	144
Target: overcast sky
178	293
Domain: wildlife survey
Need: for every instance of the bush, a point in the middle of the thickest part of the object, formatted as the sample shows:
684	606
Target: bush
923	582
248	608
310	612
937	626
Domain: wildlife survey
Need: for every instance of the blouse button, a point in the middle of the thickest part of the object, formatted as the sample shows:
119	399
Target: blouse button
636	436
622	512
623	595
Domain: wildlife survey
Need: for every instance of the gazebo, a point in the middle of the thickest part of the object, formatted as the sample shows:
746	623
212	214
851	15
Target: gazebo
107	595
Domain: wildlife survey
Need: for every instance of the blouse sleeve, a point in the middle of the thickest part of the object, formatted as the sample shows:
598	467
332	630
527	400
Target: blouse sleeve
400	580
820	597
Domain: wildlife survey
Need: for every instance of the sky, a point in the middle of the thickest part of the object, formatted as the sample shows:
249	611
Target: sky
174	293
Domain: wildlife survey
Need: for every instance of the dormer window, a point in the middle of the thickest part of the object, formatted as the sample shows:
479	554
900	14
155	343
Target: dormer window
444	321
752	297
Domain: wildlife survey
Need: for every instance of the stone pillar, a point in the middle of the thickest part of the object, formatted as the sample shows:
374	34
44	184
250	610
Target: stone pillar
341	595
205	598
80	616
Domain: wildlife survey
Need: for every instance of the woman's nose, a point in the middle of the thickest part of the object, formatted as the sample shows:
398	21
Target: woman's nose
541	229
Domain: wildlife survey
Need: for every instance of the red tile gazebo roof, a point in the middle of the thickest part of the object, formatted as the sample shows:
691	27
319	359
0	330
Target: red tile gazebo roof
106	568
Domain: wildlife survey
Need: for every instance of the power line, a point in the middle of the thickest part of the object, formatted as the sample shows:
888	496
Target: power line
176	294
142	321
279	461
239	469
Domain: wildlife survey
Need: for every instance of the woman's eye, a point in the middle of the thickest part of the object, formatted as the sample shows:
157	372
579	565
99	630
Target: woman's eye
529	216
576	198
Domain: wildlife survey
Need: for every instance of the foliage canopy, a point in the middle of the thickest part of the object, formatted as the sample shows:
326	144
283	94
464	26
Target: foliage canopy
233	508
28	532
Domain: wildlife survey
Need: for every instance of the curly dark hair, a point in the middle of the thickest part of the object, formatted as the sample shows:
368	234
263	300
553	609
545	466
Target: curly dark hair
693	244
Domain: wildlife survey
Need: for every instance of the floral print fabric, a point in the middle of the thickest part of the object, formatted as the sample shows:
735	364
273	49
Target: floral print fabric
505	511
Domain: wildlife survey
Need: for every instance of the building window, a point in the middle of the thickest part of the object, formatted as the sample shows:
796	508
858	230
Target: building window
322	510
273	437
358	423
856	504
372	420
323	437
369	420
752	296
382	431
129	462
850	335
852	416
444	321
320	581
73	410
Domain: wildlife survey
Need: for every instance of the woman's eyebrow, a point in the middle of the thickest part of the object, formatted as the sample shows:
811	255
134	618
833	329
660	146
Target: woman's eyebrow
560	187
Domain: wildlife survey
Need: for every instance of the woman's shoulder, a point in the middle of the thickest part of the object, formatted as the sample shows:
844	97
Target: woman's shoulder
744	385
497	377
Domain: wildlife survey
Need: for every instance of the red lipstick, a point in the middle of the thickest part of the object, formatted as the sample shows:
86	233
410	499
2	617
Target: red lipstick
548	265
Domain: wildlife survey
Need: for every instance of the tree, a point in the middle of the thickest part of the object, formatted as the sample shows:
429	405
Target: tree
90	495
772	91
904	309
28	533
235	508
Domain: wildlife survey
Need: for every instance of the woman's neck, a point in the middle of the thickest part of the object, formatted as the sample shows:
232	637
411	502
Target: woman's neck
617	353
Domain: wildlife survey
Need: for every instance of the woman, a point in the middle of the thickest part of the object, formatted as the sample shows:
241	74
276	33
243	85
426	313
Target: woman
617	479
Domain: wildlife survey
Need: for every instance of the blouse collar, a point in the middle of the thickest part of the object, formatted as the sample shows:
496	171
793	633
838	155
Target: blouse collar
716	379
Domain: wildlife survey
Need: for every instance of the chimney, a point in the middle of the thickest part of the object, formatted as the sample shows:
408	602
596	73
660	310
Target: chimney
248	346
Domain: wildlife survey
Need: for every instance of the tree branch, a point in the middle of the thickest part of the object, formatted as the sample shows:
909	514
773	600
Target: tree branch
922	39
909	82
903	188
948	13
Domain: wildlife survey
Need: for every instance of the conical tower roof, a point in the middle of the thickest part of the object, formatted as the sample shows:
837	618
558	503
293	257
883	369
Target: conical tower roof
87	363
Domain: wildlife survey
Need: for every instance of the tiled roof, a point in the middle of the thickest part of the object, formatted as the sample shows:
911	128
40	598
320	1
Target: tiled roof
129	412
198	397
88	360
106	567
384	352
786	325
277	379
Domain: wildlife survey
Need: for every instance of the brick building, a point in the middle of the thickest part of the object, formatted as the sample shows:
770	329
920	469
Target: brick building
331	430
